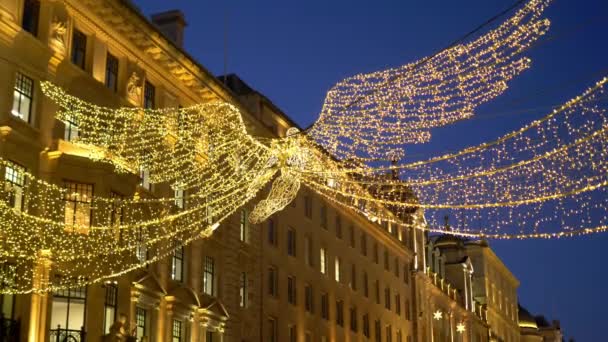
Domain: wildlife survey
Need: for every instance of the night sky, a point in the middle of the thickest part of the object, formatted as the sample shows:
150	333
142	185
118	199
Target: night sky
294	51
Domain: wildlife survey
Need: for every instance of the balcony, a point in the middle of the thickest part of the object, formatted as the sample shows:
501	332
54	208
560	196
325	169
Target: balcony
67	335
9	329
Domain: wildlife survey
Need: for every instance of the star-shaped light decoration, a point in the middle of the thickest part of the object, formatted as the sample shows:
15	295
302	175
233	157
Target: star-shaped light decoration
437	315
460	327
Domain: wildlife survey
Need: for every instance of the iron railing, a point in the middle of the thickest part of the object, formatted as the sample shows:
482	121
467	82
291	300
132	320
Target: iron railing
9	329
67	335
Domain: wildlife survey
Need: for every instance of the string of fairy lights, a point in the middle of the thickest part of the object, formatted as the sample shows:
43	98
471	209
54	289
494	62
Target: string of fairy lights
545	180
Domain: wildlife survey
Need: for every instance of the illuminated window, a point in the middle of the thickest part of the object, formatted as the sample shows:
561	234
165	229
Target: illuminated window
23	97
70	129
177	264
243	290
243	226
110	305
78	199
68	310
209	276
14	175
141	322
291	242
79	48
177	331
111	72
144	176
149	95
180	200
337	269
31	16
323	260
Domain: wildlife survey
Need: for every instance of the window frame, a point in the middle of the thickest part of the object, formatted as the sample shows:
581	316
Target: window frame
78	53
112	69
24	88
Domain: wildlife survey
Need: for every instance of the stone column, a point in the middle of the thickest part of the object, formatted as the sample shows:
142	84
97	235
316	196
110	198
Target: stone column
133	309
39	300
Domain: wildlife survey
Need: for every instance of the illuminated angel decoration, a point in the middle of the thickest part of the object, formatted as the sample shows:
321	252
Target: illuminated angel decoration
546	179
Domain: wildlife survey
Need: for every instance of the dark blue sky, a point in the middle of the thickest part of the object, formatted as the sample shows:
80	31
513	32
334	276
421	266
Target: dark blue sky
294	51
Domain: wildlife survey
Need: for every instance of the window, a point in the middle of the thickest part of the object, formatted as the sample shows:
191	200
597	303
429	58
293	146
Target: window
324	306
397	267
308	337
387	298
324	216
141	322
70	128
68	308
386	262
399	336
272	330
398	304
209	276
340	313
366	325
273	281
353	277
243	290
351	233
308	250
79	48
377	331
323	260
23	97
177	331
338	227
209	336
144	175
110	305
293	335
14	176
377	288
308	206
141	252
363	244
111	72
179	198
407	310
308	298
337	269
376	256
365	285
177	264
406	273
78	198
149	95
243	226
291	242
272	232
291	290
389	333
31	15
353	319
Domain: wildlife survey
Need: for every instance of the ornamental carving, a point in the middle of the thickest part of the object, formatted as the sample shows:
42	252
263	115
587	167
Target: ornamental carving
58	36
134	88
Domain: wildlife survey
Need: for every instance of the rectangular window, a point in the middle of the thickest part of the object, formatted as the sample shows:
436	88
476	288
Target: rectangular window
398	304
308	250
340	313
70	128
23	97
407	310
31	16
386	262
337	269
366	325
110	305
397	267
293	334
243	226
272	330
353	319
79	48
144	175
363	244
376	253
308	206
111	72
141	323
177	264
273	281
406	273
308	298
209	276
365	285
149	95
78	209
14	176
177	331
338	227
272	232
378	331
291	290
399	336
377	288
291	242
68	309
351	233
324	306
387	298
353	277
389	333
179	198
323	260
243	290
324	216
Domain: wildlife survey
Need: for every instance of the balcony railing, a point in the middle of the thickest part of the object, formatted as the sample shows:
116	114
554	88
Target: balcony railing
9	329
67	335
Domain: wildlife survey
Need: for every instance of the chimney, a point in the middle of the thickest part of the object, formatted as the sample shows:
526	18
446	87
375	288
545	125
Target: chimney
171	24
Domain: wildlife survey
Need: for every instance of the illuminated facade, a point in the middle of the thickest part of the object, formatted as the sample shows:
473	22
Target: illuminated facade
313	272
